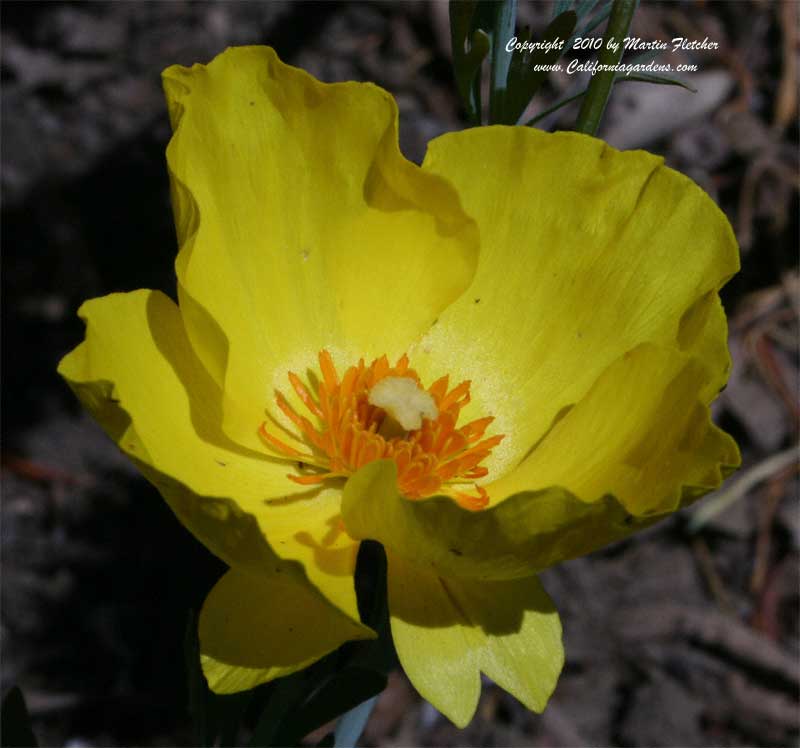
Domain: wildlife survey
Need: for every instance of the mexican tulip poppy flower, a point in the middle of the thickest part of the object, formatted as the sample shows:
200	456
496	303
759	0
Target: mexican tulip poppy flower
490	363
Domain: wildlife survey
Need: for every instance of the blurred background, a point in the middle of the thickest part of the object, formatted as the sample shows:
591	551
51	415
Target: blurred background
686	635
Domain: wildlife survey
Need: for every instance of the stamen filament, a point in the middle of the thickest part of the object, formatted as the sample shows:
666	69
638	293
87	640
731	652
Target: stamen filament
434	458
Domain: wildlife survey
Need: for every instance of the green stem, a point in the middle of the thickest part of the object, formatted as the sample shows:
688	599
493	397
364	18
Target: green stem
594	103
504	26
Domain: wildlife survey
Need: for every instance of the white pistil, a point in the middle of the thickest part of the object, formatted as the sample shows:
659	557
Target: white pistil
404	401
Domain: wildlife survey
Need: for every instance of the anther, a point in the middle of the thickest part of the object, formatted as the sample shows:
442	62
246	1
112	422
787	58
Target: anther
382	412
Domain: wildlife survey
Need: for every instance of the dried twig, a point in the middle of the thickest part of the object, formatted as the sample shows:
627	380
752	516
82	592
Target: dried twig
716	632
712	578
786	100
747	480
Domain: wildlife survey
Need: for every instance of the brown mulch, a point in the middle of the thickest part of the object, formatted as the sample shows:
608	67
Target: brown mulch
673	638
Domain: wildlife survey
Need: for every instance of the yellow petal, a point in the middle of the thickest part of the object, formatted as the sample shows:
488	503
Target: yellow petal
139	377
527	532
640	433
301	226
636	447
434	643
448	631
586	252
254	628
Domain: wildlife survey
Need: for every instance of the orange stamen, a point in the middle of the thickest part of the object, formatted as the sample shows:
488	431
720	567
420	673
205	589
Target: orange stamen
432	459
304	394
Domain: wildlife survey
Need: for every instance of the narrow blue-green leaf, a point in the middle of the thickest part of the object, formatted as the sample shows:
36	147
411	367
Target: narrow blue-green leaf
351	725
584	7
554	108
340	694
645	57
215	718
662	80
470	47
561	6
284	695
15	721
593	23
594	103
195	683
355	672
524	79
504	25
621	78
478	53
376	655
226	712
461	15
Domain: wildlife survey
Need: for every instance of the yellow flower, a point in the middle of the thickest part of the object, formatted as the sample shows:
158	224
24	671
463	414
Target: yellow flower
527	329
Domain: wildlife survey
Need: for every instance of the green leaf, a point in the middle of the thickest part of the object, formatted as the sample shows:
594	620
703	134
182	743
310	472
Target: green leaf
554	108
196	687
351	675
349	688
596	98
284	694
561	6
663	80
621	78
584	11
378	654
470	46
645	57
15	721
502	31
226	712
370	581
595	21
215	718
523	79
584	8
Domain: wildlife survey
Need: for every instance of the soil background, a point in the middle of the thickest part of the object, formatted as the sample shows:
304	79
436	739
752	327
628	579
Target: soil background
677	637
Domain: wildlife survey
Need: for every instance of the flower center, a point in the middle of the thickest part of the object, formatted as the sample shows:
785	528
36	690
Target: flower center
380	412
404	401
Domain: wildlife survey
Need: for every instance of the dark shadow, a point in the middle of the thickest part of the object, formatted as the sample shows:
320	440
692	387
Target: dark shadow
110	230
113	636
205	397
330	560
